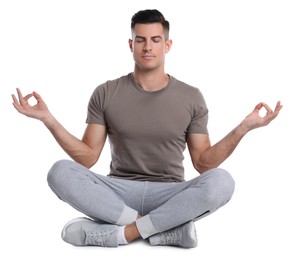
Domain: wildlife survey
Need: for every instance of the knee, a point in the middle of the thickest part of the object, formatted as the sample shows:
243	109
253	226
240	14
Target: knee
57	175
221	186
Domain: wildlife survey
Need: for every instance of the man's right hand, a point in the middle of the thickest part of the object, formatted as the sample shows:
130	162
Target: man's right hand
38	111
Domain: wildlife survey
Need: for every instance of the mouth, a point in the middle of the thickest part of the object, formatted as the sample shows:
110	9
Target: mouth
148	57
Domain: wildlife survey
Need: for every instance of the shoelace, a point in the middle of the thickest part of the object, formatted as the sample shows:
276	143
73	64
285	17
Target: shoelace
97	239
172	237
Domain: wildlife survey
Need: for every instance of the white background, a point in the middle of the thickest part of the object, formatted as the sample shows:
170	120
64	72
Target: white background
237	53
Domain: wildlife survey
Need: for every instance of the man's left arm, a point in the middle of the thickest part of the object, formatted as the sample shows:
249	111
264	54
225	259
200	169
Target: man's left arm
205	157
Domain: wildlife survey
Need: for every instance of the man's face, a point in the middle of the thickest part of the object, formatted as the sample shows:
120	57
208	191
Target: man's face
149	45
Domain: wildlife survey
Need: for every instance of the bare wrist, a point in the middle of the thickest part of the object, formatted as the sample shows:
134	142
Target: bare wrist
49	121
242	129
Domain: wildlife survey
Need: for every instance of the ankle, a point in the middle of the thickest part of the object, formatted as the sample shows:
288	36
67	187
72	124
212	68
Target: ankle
131	232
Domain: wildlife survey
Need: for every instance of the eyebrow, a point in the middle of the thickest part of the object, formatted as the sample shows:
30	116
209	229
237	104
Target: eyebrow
153	37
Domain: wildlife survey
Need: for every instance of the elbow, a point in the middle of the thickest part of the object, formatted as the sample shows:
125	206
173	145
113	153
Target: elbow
84	163
91	162
87	161
88	165
202	167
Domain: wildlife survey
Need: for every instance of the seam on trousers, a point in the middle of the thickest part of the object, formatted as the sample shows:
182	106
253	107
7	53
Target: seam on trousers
143	196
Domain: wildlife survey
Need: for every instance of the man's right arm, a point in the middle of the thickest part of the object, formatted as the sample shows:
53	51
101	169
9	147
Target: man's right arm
85	151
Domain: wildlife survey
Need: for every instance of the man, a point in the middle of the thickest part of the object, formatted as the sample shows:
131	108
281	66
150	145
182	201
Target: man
149	117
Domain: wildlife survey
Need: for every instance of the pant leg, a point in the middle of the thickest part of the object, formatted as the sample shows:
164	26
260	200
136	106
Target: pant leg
185	201
97	196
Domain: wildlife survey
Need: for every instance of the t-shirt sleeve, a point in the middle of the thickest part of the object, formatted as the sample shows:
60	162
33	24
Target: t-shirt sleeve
95	113
199	113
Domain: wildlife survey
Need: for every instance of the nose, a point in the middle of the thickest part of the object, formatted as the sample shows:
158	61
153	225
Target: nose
147	47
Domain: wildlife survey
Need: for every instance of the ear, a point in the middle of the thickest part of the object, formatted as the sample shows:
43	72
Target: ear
131	45
168	45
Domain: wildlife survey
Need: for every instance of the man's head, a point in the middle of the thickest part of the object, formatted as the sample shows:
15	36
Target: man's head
150	16
150	39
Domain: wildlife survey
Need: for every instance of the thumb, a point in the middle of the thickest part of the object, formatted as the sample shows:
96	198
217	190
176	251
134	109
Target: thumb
258	106
37	97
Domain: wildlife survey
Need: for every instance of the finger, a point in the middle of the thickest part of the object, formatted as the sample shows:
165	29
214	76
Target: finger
278	107
274	114
26	98
20	96
14	99
17	105
268	109
37	96
19	92
23	100
16	102
258	107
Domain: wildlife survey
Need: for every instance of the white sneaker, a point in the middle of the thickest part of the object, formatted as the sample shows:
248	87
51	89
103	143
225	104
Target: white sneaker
182	236
86	232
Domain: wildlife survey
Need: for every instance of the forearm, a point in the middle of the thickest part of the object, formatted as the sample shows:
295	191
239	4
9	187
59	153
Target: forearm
218	153
74	147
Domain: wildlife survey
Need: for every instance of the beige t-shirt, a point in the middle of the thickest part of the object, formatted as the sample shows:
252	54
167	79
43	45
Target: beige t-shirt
147	130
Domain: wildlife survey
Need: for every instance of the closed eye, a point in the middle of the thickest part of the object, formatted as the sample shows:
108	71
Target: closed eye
157	39
140	39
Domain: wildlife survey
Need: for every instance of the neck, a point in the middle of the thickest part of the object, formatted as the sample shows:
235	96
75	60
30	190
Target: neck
151	81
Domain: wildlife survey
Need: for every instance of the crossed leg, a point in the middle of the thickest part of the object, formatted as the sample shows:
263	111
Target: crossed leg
144	208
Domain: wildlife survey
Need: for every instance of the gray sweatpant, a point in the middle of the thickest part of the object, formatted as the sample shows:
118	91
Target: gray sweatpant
117	201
